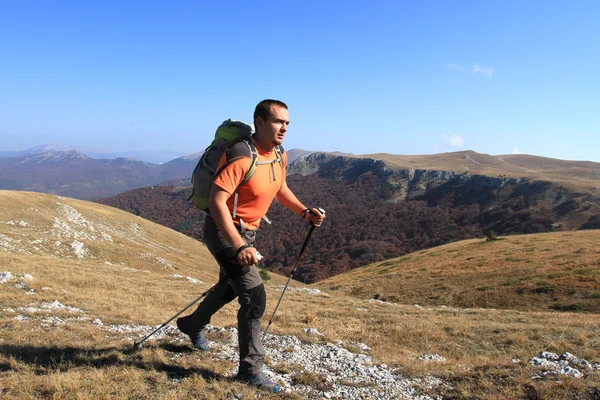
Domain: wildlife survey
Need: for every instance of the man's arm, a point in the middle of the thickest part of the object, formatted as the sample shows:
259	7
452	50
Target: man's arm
289	200
217	203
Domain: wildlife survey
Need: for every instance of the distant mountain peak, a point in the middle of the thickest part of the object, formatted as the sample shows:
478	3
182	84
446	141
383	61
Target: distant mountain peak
49	147
64	157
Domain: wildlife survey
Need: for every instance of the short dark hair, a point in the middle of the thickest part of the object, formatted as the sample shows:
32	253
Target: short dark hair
263	109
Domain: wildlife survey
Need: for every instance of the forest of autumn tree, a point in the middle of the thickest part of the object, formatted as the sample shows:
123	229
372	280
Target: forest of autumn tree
364	224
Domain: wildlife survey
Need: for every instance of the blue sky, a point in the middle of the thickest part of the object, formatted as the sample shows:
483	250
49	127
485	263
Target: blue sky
400	77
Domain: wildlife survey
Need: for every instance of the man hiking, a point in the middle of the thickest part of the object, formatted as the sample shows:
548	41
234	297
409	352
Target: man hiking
230	236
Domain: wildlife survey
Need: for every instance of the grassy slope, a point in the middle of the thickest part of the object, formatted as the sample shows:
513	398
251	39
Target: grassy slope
558	270
79	360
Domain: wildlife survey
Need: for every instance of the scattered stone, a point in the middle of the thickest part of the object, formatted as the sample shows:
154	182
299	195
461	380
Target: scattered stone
52	321
314	292
553	364
177	276
5	276
380	302
549	356
432	358
19	223
26	277
361	309
544	363
78	249
20	285
193	280
347	375
312	331
363	347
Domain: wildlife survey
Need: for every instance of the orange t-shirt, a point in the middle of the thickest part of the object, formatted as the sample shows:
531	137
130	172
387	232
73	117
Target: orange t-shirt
256	195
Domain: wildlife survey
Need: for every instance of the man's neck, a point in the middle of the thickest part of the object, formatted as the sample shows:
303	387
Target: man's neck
263	144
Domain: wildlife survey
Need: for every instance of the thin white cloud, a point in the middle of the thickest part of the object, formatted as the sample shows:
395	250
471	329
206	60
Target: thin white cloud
516	151
478	69
455	66
451	141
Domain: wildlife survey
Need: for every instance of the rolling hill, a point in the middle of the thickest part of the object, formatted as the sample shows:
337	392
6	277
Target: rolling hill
80	281
376	212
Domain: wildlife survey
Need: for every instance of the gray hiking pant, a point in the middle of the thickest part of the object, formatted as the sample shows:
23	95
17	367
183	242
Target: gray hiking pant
234	281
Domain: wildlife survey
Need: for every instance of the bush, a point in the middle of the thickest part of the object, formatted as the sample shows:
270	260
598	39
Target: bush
490	235
264	274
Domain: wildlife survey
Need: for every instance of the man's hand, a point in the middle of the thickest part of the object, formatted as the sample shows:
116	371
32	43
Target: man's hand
247	256
315	216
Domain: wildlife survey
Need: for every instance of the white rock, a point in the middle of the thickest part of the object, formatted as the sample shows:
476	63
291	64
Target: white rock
5	276
312	331
432	358
544	363
549	356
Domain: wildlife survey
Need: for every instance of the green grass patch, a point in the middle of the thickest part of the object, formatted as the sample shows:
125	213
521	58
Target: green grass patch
544	287
572	307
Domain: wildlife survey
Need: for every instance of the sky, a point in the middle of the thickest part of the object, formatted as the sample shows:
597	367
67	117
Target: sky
399	77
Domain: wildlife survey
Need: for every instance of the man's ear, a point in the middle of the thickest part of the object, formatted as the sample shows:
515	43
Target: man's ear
258	122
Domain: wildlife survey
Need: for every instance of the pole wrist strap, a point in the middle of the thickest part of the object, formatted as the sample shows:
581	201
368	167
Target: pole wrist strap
240	249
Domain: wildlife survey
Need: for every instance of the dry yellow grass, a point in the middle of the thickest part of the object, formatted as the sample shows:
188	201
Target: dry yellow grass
550	271
78	360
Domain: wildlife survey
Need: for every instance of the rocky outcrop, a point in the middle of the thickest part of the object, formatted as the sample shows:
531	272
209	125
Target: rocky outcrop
499	195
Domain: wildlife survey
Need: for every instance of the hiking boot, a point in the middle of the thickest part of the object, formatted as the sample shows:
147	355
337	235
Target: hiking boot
198	339
260	381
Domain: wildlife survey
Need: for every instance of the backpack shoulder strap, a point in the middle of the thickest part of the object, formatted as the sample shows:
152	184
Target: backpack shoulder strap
279	151
240	148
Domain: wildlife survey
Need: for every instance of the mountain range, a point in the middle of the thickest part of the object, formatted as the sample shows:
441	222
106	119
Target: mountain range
383	208
68	172
150	156
380	205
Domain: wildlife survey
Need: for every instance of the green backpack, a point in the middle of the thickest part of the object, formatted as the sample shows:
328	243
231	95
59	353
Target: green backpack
228	133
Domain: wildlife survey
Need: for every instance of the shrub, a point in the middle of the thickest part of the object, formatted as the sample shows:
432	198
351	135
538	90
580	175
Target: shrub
264	274
490	235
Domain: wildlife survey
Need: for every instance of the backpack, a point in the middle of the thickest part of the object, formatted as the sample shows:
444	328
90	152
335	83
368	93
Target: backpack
228	133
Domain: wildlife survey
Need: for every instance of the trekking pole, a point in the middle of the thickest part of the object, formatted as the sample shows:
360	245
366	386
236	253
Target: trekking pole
138	343
312	228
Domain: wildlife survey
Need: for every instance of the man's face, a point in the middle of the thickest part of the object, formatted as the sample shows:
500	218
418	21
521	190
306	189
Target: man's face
273	128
